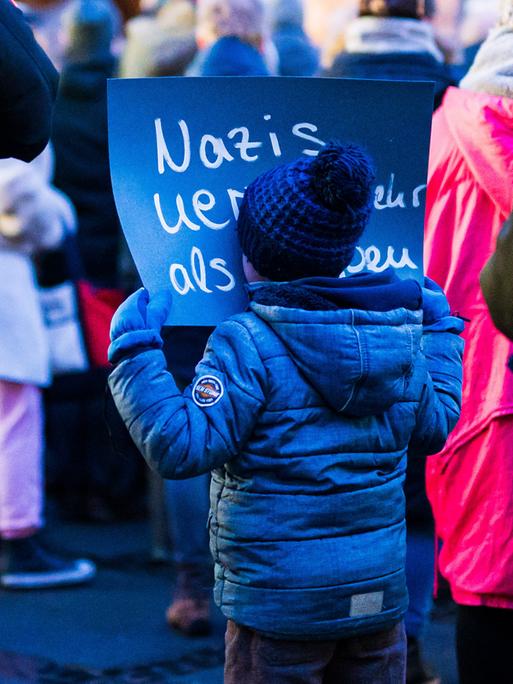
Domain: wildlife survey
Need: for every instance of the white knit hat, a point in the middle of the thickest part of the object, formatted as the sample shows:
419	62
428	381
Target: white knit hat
242	18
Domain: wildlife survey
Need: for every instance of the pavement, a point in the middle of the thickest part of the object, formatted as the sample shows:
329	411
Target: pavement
113	630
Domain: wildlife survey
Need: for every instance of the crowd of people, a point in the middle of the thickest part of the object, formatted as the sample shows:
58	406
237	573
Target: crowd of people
354	530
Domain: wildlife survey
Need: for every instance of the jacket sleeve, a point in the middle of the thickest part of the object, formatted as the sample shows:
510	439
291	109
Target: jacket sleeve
28	88
440	403
185	434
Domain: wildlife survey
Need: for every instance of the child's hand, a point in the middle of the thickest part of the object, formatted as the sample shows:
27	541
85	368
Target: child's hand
138	312
435	302
136	325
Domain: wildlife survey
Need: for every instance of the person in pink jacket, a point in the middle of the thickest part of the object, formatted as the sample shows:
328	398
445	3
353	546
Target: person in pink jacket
470	483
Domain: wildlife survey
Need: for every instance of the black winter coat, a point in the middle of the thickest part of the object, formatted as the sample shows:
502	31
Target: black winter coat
394	66
82	164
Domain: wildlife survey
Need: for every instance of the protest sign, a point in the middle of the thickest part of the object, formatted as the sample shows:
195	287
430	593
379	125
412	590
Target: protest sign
182	150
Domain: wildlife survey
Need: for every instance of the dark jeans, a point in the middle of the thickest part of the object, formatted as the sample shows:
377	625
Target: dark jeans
187	507
484	639
420	563
252	658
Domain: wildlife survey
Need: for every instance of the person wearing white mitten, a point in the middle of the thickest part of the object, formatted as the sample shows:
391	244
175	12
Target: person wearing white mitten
33	216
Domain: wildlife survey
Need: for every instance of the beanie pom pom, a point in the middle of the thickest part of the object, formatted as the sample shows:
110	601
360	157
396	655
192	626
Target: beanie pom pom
342	177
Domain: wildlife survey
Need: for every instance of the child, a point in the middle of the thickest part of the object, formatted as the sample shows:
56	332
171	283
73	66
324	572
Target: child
303	408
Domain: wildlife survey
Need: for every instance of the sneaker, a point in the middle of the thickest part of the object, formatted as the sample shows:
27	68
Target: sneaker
417	671
26	564
190	616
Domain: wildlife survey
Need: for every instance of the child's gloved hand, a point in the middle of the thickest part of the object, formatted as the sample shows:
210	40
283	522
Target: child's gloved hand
136	325
435	302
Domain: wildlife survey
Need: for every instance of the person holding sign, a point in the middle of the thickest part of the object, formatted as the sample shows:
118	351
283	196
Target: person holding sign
303	407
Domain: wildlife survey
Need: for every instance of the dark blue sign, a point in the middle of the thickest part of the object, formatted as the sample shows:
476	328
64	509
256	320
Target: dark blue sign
182	150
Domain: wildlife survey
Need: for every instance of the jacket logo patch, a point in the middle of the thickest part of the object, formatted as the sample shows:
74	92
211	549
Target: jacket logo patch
366	604
207	391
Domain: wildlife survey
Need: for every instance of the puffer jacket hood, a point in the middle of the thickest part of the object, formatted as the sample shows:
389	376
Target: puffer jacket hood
355	373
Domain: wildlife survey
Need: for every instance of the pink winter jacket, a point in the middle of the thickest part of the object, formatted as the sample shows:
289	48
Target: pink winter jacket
470	483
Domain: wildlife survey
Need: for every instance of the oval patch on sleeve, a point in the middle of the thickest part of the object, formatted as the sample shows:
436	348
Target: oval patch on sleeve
207	391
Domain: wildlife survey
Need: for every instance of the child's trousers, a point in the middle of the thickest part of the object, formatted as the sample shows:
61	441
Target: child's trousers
21	444
252	658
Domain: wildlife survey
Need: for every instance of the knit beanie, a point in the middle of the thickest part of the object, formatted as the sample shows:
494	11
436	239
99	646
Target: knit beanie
90	29
304	218
408	9
242	18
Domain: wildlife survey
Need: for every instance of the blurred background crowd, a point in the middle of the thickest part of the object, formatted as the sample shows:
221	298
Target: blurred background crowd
64	268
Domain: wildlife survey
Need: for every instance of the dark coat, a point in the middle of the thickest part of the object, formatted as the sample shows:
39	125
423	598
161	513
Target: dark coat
82	163
298	57
29	85
394	66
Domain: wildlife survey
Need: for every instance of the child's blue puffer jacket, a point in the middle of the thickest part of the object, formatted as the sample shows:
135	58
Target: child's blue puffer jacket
305	415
